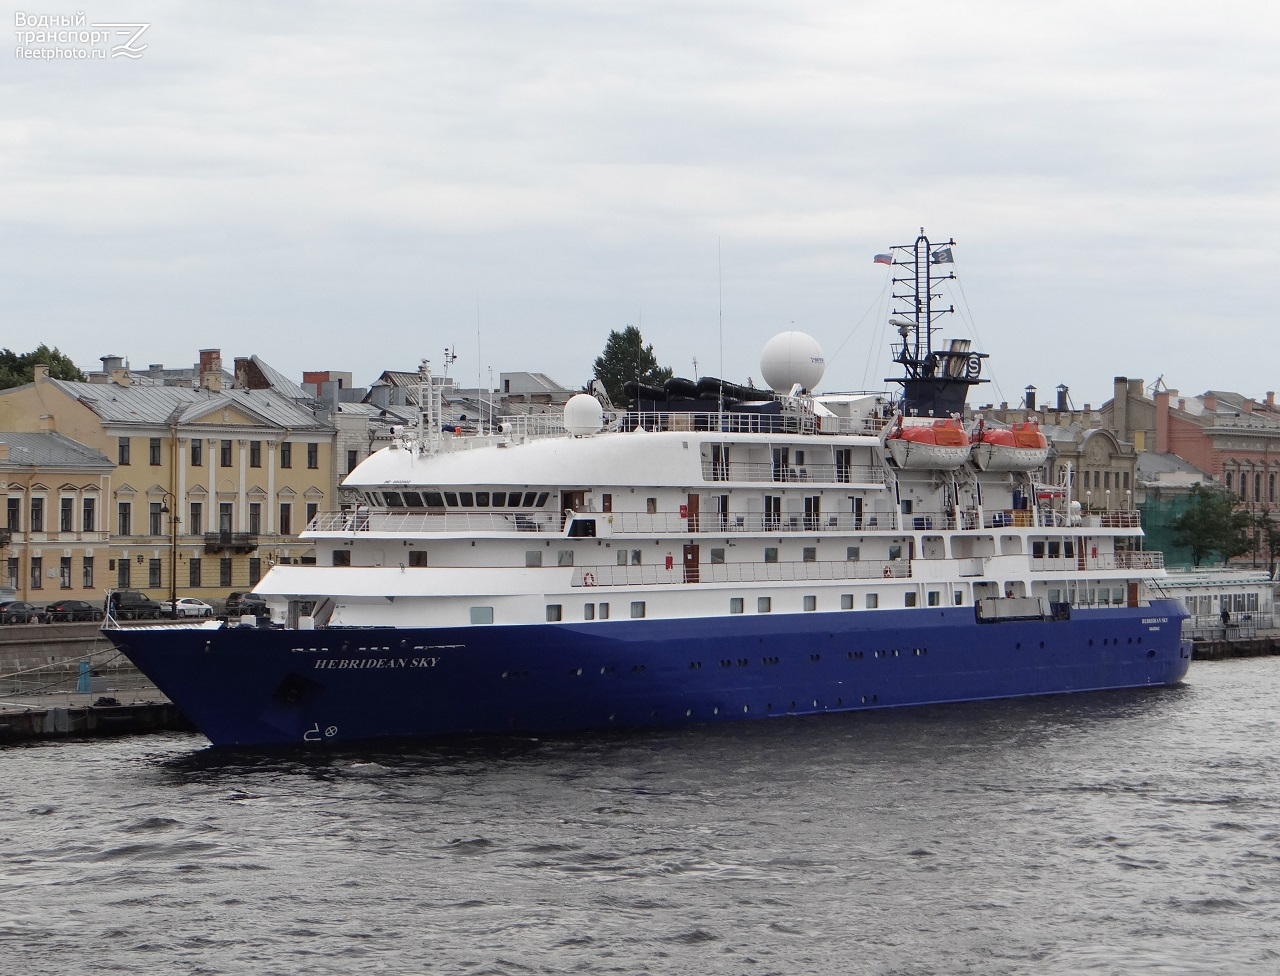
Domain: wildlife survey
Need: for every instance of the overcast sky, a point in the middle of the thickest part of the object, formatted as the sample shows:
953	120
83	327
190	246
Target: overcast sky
357	186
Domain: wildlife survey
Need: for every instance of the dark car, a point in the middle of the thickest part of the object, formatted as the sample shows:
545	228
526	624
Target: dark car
247	605
71	610
19	612
134	605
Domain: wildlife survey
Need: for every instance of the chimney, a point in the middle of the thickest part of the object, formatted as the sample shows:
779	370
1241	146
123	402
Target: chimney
241	370
209	372
1031	397
1271	399
380	394
1062	398
1247	405
1120	406
1210	402
1162	421
111	363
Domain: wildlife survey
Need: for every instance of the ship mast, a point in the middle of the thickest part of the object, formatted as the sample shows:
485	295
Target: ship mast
934	382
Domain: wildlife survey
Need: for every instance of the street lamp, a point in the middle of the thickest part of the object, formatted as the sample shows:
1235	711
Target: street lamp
173	549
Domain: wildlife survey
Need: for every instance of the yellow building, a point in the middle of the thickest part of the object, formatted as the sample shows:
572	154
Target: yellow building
211	486
54	538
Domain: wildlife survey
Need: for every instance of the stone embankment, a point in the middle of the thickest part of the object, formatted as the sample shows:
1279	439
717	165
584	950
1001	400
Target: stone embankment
66	679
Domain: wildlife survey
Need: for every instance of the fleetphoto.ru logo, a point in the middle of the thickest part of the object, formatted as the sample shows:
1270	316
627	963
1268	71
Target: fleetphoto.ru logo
63	37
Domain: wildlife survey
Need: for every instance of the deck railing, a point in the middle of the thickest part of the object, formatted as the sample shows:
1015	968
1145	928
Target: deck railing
785	572
757	472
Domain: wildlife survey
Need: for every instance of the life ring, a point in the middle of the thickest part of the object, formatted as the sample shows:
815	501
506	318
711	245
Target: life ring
888	572
588	579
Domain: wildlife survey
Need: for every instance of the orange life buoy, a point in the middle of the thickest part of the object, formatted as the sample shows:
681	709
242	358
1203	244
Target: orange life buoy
588	579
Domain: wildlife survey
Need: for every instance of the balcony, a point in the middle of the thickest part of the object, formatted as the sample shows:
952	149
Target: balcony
230	542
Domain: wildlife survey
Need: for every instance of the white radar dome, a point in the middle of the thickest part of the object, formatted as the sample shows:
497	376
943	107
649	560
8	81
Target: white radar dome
790	358
583	414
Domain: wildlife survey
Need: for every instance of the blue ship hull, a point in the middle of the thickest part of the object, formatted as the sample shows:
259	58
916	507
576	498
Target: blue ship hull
243	686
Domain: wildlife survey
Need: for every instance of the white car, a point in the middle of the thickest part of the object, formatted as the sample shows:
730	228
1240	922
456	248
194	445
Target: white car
190	607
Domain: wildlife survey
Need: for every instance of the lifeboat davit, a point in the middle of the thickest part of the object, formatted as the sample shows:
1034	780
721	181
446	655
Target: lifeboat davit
1020	447
941	445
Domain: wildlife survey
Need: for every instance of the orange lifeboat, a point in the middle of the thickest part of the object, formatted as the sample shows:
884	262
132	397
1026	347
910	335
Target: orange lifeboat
938	444
1019	447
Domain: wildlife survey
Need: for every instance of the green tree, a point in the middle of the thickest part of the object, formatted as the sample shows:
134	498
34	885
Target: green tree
1266	538
1212	524
625	357
19	368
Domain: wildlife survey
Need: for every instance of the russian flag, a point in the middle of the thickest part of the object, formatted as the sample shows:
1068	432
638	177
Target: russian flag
883	259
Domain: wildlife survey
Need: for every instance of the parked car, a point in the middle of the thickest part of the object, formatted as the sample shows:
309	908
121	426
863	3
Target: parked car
135	605
64	610
20	612
189	606
247	604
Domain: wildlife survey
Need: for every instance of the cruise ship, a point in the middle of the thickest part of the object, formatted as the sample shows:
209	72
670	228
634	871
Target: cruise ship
710	552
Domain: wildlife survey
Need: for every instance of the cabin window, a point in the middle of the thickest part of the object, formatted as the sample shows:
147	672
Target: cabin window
873	600
513	500
532	557
651	506
467	499
1055	596
852	553
604	611
906	506
434	499
417	557
413	499
564	557
935	598
1055	548
895	552
1068	548
717	555
1037	550
846	601
957	597
771	554
637	609
622	557
553	612
342	557
529	498
764	604
499	499
810	554
393	499
588	611
482	615
451	499
1117	596
735	604
909	599
810	602
542	498
482	499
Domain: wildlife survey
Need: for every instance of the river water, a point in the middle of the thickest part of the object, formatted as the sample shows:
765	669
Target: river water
1125	832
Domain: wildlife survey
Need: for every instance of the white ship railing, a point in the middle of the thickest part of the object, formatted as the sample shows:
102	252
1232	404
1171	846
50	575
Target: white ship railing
604	576
767	471
1146	559
410	523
